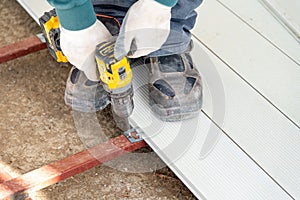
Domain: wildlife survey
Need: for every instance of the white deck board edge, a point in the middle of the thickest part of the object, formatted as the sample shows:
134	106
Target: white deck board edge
287	13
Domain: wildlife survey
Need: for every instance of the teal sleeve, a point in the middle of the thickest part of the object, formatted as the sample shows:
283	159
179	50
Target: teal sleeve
79	14
169	3
74	14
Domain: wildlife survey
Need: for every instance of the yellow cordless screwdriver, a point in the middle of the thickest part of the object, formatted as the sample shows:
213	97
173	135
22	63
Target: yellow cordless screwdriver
50	26
116	77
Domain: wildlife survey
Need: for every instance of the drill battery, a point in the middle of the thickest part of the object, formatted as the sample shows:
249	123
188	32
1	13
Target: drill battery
50	26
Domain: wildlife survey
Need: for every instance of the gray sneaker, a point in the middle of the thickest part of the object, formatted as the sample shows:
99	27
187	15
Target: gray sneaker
175	87
84	95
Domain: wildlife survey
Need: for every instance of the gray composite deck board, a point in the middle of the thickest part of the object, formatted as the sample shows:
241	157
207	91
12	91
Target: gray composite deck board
256	16
273	75
250	55
287	13
226	172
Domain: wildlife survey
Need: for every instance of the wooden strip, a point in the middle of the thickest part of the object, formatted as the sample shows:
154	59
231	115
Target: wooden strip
4	176
70	166
21	48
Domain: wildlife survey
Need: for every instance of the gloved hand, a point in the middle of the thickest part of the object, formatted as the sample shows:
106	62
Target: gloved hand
79	47
144	30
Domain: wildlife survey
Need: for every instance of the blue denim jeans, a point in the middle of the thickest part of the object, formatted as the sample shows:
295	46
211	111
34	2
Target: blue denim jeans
183	20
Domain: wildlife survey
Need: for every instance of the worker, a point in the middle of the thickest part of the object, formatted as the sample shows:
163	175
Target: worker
156	30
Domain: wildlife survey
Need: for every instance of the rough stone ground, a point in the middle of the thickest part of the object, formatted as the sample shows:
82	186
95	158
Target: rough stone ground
36	127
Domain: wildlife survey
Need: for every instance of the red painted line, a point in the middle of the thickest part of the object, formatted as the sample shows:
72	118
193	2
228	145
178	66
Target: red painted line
70	166
21	48
4	175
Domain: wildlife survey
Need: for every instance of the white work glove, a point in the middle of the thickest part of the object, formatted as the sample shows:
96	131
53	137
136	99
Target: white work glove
144	30
79	47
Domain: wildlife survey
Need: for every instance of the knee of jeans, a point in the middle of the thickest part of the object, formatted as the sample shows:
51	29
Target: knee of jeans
185	8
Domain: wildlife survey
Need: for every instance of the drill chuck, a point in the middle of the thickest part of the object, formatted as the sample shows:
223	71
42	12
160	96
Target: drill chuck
122	103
